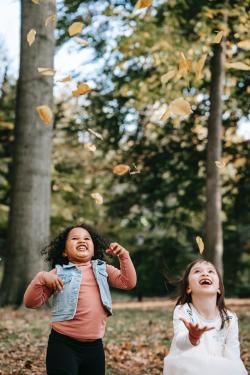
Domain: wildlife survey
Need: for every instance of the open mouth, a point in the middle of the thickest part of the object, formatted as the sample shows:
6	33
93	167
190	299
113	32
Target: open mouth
205	282
82	248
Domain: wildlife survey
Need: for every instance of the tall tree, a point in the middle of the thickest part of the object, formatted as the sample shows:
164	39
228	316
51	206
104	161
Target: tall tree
30	195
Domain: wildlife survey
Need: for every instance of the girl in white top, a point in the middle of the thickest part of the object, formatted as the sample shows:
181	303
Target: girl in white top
205	333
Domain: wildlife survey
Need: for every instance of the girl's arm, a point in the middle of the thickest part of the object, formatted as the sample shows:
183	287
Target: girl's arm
232	347
125	277
181	334
41	288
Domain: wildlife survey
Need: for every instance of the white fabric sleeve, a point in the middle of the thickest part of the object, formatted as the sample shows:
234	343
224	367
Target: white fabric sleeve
180	331
232	347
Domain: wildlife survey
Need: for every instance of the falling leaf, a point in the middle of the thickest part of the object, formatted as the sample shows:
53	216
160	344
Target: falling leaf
121	169
143	4
82	42
45	114
180	107
90	147
50	19
31	36
82	89
98	135
199	66
184	64
46	71
218	37
65	79
169	75
135	170
75	28
238	65
220	164
36	2
200	244
244	44
165	115
97	197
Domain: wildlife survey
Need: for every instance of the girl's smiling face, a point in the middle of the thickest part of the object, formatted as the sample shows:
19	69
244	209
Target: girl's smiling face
203	279
79	247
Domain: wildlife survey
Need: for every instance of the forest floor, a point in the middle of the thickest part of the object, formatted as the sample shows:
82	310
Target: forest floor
137	337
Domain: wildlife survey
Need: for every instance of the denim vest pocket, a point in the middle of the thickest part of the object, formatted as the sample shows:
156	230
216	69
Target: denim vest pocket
61	299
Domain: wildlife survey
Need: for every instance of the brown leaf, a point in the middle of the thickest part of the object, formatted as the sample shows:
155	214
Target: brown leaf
218	37
65	79
98	135
98	198
75	28
82	42
143	4
180	107
50	19
82	89
199	66
31	36
238	65
168	76
45	114
46	71
200	244
184	64
90	147
121	169
36	2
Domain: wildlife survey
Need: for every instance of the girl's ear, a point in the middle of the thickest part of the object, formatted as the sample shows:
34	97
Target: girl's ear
218	291
188	291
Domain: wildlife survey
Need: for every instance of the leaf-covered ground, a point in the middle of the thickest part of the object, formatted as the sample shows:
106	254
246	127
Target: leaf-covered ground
136	341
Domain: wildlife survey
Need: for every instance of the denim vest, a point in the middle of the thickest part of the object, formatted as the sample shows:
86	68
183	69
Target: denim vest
64	303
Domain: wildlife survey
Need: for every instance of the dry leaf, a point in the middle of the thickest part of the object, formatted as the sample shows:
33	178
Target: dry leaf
97	197
65	79
143	4
238	65
218	37
200	244
220	164
46	71
244	44
36	2
121	169
45	114
169	75
135	170
82	42
199	66
180	107
165	115
31	36
184	64
50	19
75	28
82	89
98	135
90	147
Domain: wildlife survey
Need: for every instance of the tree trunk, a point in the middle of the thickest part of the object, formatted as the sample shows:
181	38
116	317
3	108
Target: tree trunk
30	196
214	233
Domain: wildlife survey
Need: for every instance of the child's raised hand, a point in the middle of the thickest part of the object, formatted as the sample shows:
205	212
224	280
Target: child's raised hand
53	281
116	249
195	331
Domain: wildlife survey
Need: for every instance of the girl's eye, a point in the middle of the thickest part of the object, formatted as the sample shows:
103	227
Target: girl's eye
211	271
196	271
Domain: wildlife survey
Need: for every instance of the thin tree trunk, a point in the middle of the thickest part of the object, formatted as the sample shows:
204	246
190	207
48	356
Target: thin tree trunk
214	232
30	195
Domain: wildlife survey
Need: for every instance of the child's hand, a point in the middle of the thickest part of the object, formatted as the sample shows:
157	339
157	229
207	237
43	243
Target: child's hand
116	249
53	281
195	331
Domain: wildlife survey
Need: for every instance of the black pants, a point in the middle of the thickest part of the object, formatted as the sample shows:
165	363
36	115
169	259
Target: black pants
66	356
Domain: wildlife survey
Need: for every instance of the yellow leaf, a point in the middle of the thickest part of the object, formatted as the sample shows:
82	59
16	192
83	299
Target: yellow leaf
82	89
143	4
121	169
65	79
248	90
218	37
238	65
45	114
82	42
165	115
199	66
183	64
244	44
220	164
46	71
75	28
240	162
90	147
31	36
97	197
36	2
50	19
169	75
98	135
200	244
180	107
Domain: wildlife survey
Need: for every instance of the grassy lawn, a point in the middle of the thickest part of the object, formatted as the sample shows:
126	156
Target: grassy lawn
136	340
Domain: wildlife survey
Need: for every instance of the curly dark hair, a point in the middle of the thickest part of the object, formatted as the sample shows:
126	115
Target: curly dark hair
54	251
